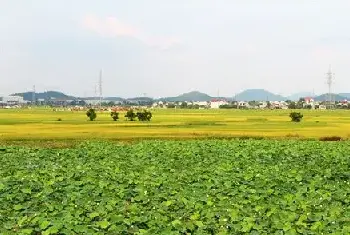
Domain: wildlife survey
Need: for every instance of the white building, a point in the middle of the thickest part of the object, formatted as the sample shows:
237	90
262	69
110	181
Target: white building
201	103
12	100
243	104
215	104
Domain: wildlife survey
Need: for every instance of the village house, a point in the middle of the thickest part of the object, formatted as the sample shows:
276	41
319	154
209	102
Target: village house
216	103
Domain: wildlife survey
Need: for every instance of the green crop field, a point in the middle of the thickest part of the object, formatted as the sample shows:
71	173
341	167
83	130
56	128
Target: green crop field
43	124
177	187
205	182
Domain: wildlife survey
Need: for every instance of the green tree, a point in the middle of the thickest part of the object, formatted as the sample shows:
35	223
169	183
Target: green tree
292	105
171	106
268	104
144	115
91	114
110	103
183	105
131	115
296	116
115	115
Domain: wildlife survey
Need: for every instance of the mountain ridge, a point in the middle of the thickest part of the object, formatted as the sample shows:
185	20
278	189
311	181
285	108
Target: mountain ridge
246	95
258	95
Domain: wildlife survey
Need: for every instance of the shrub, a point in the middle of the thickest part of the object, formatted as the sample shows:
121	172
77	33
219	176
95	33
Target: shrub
144	116
331	138
130	115
91	114
295	135
59	119
115	115
296	116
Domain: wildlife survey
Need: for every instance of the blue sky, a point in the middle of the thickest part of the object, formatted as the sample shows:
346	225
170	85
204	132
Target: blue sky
165	48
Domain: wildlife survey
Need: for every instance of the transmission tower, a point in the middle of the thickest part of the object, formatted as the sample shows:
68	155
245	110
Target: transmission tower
33	96
330	80
100	87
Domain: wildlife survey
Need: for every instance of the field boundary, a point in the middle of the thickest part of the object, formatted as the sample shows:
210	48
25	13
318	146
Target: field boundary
71	142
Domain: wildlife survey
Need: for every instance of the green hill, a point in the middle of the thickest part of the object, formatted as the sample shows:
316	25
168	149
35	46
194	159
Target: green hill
45	95
190	96
347	95
258	95
299	95
335	97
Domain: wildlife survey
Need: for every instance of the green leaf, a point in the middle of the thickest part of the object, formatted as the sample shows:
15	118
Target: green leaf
51	230
195	216
93	215
316	225
27	190
234	215
27	231
199	223
17	207
44	224
176	222
299	178
103	224
168	203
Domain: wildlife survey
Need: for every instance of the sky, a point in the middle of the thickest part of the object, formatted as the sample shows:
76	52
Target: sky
165	48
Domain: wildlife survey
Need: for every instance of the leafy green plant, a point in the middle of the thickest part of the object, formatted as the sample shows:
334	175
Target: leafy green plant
115	115
177	187
91	114
296	116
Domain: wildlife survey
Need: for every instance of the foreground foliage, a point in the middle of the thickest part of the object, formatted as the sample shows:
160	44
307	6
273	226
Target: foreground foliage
169	187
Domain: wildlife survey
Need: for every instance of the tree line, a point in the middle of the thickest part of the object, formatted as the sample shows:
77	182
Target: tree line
130	115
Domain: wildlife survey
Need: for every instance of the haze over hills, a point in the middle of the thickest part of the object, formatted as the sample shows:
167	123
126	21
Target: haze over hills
44	95
347	95
258	95
335	97
247	95
190	96
297	96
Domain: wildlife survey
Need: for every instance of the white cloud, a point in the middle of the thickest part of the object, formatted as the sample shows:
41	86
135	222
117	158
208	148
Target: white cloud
113	27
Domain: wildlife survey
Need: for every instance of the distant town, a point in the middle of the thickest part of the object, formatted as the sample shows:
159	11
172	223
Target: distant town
249	99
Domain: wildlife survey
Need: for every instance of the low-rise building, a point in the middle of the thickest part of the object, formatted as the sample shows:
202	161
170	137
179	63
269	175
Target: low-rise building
12	100
216	103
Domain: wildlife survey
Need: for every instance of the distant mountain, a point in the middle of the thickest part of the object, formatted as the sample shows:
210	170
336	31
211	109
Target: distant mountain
347	95
190	96
114	98
145	99
45	95
104	98
299	95
335	97
258	95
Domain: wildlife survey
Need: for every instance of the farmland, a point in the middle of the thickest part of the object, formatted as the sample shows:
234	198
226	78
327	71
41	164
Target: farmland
177	187
43	125
181	173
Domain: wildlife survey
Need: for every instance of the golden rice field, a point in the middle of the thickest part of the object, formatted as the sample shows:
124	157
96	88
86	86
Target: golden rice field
43	124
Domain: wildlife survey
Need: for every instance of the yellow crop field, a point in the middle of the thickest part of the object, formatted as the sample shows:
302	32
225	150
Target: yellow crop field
43	124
